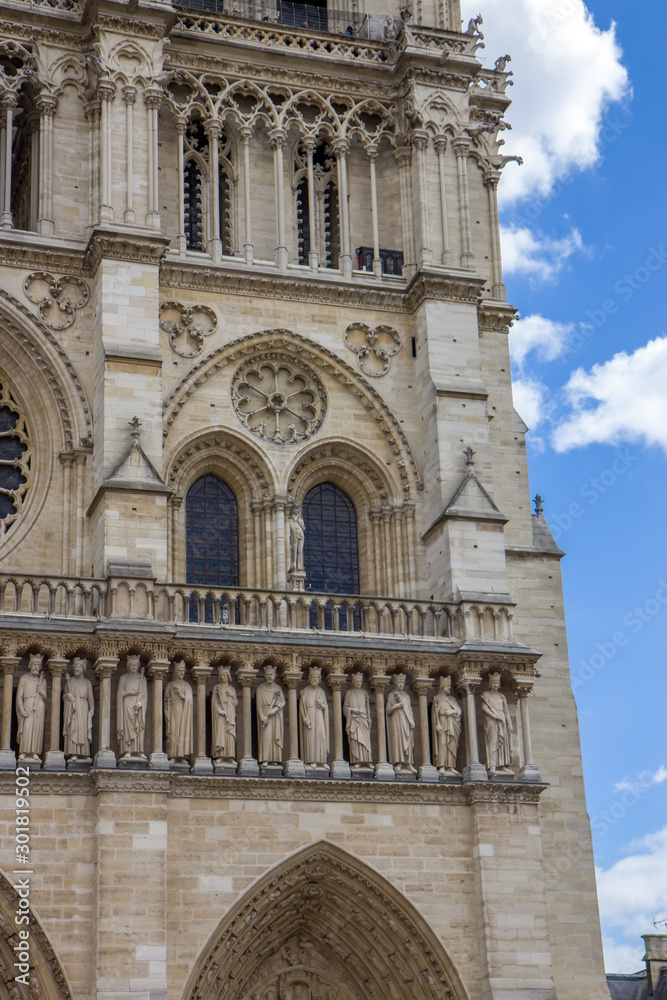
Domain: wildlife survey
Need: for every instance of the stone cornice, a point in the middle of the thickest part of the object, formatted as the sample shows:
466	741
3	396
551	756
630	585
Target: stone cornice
443	285
495	316
97	782
138	247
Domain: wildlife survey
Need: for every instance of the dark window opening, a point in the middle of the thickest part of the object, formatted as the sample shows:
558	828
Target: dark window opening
212	551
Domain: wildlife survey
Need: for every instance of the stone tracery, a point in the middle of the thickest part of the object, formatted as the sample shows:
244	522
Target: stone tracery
16	455
279	399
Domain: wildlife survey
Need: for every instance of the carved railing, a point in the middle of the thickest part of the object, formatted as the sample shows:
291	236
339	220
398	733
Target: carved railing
241	608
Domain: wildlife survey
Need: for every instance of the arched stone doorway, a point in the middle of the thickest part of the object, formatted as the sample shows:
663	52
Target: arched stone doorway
323	926
46	977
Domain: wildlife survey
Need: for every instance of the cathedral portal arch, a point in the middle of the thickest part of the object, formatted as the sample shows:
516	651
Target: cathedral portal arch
323	925
46	976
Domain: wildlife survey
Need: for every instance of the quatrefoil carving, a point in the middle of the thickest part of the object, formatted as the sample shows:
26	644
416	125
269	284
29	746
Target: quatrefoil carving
187	327
57	299
374	348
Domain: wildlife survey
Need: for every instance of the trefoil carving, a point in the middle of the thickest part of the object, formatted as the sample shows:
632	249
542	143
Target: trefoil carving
187	327
374	348
58	299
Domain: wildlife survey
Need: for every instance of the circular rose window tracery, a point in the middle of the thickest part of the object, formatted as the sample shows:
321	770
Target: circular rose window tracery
15	459
281	401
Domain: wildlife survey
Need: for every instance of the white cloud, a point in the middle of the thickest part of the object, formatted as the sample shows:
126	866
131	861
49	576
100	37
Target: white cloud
529	400
536	255
622	957
631	893
535	333
642	782
568	72
623	399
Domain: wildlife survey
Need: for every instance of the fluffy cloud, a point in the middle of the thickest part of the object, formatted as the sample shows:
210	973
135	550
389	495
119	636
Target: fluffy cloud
642	782
568	73
536	255
529	400
534	333
631	893
623	399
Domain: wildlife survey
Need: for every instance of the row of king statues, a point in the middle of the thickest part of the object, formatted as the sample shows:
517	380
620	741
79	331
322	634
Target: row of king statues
313	714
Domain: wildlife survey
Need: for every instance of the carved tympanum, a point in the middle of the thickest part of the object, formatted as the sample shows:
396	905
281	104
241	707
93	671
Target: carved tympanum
282	401
57	299
15	459
187	327
374	348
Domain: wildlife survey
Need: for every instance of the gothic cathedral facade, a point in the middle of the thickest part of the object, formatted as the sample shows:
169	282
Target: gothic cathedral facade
286	708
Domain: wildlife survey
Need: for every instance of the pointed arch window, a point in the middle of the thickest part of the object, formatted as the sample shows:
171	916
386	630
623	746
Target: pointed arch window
198	223
212	539
331	551
325	239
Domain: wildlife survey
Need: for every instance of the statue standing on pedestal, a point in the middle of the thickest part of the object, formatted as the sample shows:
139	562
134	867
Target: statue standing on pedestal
357	712
178	715
78	711
297	537
314	719
270	702
223	718
446	714
400	726
497	728
31	710
131	702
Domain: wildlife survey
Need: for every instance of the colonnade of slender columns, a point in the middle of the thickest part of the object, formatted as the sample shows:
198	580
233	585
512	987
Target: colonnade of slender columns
341	148
461	146
420	187
8	106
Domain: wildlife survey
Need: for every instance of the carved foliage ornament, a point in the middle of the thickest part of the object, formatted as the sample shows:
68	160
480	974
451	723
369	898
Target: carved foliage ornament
279	400
187	327
15	459
58	299
374	348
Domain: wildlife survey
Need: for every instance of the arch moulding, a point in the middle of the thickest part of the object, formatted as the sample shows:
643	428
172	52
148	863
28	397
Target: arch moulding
329	924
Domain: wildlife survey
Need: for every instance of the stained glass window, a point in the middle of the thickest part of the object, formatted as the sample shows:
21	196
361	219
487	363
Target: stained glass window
212	544
330	552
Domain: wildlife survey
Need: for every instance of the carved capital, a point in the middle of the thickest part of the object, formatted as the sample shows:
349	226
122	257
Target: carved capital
336	681
421	685
57	665
201	672
129	94
9	101
420	139
372	151
340	147
8	664
46	105
157	670
491	178
153	97
106	90
213	128
277	138
461	145
246	676
291	677
378	682
440	143
245	132
105	666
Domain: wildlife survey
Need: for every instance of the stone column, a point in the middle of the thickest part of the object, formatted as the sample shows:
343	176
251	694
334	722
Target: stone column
309	145
491	178
248	766
279	541
278	138
249	251
214	246
529	771
91	110
9	105
424	251
294	767
474	770
340	768
157	671
106	90
129	97
55	758
202	764
383	769
341	148
180	122
372	154
105	667
8	665
46	108
440	143
421	686
403	157
461	145
152	100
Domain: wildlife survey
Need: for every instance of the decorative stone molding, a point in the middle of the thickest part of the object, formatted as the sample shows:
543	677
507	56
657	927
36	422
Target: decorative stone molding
57	299
278	399
123	246
374	348
16	459
187	327
226	445
495	317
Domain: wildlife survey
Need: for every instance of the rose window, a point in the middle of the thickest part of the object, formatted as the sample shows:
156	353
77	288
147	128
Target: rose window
279	400
15	459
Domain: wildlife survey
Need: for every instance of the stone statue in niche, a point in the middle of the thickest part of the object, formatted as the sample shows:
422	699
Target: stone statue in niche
178	715
357	712
297	536
446	715
314	721
131	702
223	718
497	728
270	702
31	710
400	727
78	711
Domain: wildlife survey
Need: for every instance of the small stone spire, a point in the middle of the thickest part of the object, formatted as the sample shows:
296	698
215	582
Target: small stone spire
135	425
538	504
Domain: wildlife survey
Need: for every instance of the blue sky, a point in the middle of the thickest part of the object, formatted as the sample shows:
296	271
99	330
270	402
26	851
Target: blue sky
585	248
